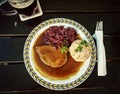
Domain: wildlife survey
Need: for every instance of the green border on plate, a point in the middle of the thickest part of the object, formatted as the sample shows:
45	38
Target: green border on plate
59	86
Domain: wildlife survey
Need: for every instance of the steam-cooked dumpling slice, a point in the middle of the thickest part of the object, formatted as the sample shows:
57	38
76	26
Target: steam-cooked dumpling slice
79	50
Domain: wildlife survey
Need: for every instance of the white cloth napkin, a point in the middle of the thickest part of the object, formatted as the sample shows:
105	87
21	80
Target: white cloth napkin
100	53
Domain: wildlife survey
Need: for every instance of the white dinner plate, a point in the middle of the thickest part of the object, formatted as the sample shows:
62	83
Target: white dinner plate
65	84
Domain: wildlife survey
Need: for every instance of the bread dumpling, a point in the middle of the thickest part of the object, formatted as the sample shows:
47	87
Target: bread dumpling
83	53
51	56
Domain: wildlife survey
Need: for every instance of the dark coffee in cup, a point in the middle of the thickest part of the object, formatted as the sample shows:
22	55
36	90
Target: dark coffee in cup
26	7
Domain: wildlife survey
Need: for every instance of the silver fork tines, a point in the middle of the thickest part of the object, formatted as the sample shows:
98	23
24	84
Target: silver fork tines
99	26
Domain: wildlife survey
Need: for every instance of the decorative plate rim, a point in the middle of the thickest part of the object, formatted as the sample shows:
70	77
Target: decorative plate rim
48	84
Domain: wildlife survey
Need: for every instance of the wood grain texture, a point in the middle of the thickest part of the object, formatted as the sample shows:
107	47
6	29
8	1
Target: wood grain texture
12	26
14	78
80	5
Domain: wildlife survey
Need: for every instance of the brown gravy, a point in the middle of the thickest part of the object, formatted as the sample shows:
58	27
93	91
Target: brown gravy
69	69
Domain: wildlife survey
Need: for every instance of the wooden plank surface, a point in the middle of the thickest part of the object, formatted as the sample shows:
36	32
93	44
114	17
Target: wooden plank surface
14	78
12	25
80	5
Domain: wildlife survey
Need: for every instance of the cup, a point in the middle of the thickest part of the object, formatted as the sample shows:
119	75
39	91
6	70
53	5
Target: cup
27	9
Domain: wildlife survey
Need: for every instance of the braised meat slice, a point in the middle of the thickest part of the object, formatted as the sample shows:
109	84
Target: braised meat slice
51	56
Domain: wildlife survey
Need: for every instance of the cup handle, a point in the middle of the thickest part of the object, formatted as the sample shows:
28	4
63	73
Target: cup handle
7	13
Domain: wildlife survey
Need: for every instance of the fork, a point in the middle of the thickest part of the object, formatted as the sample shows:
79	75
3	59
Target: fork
101	55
